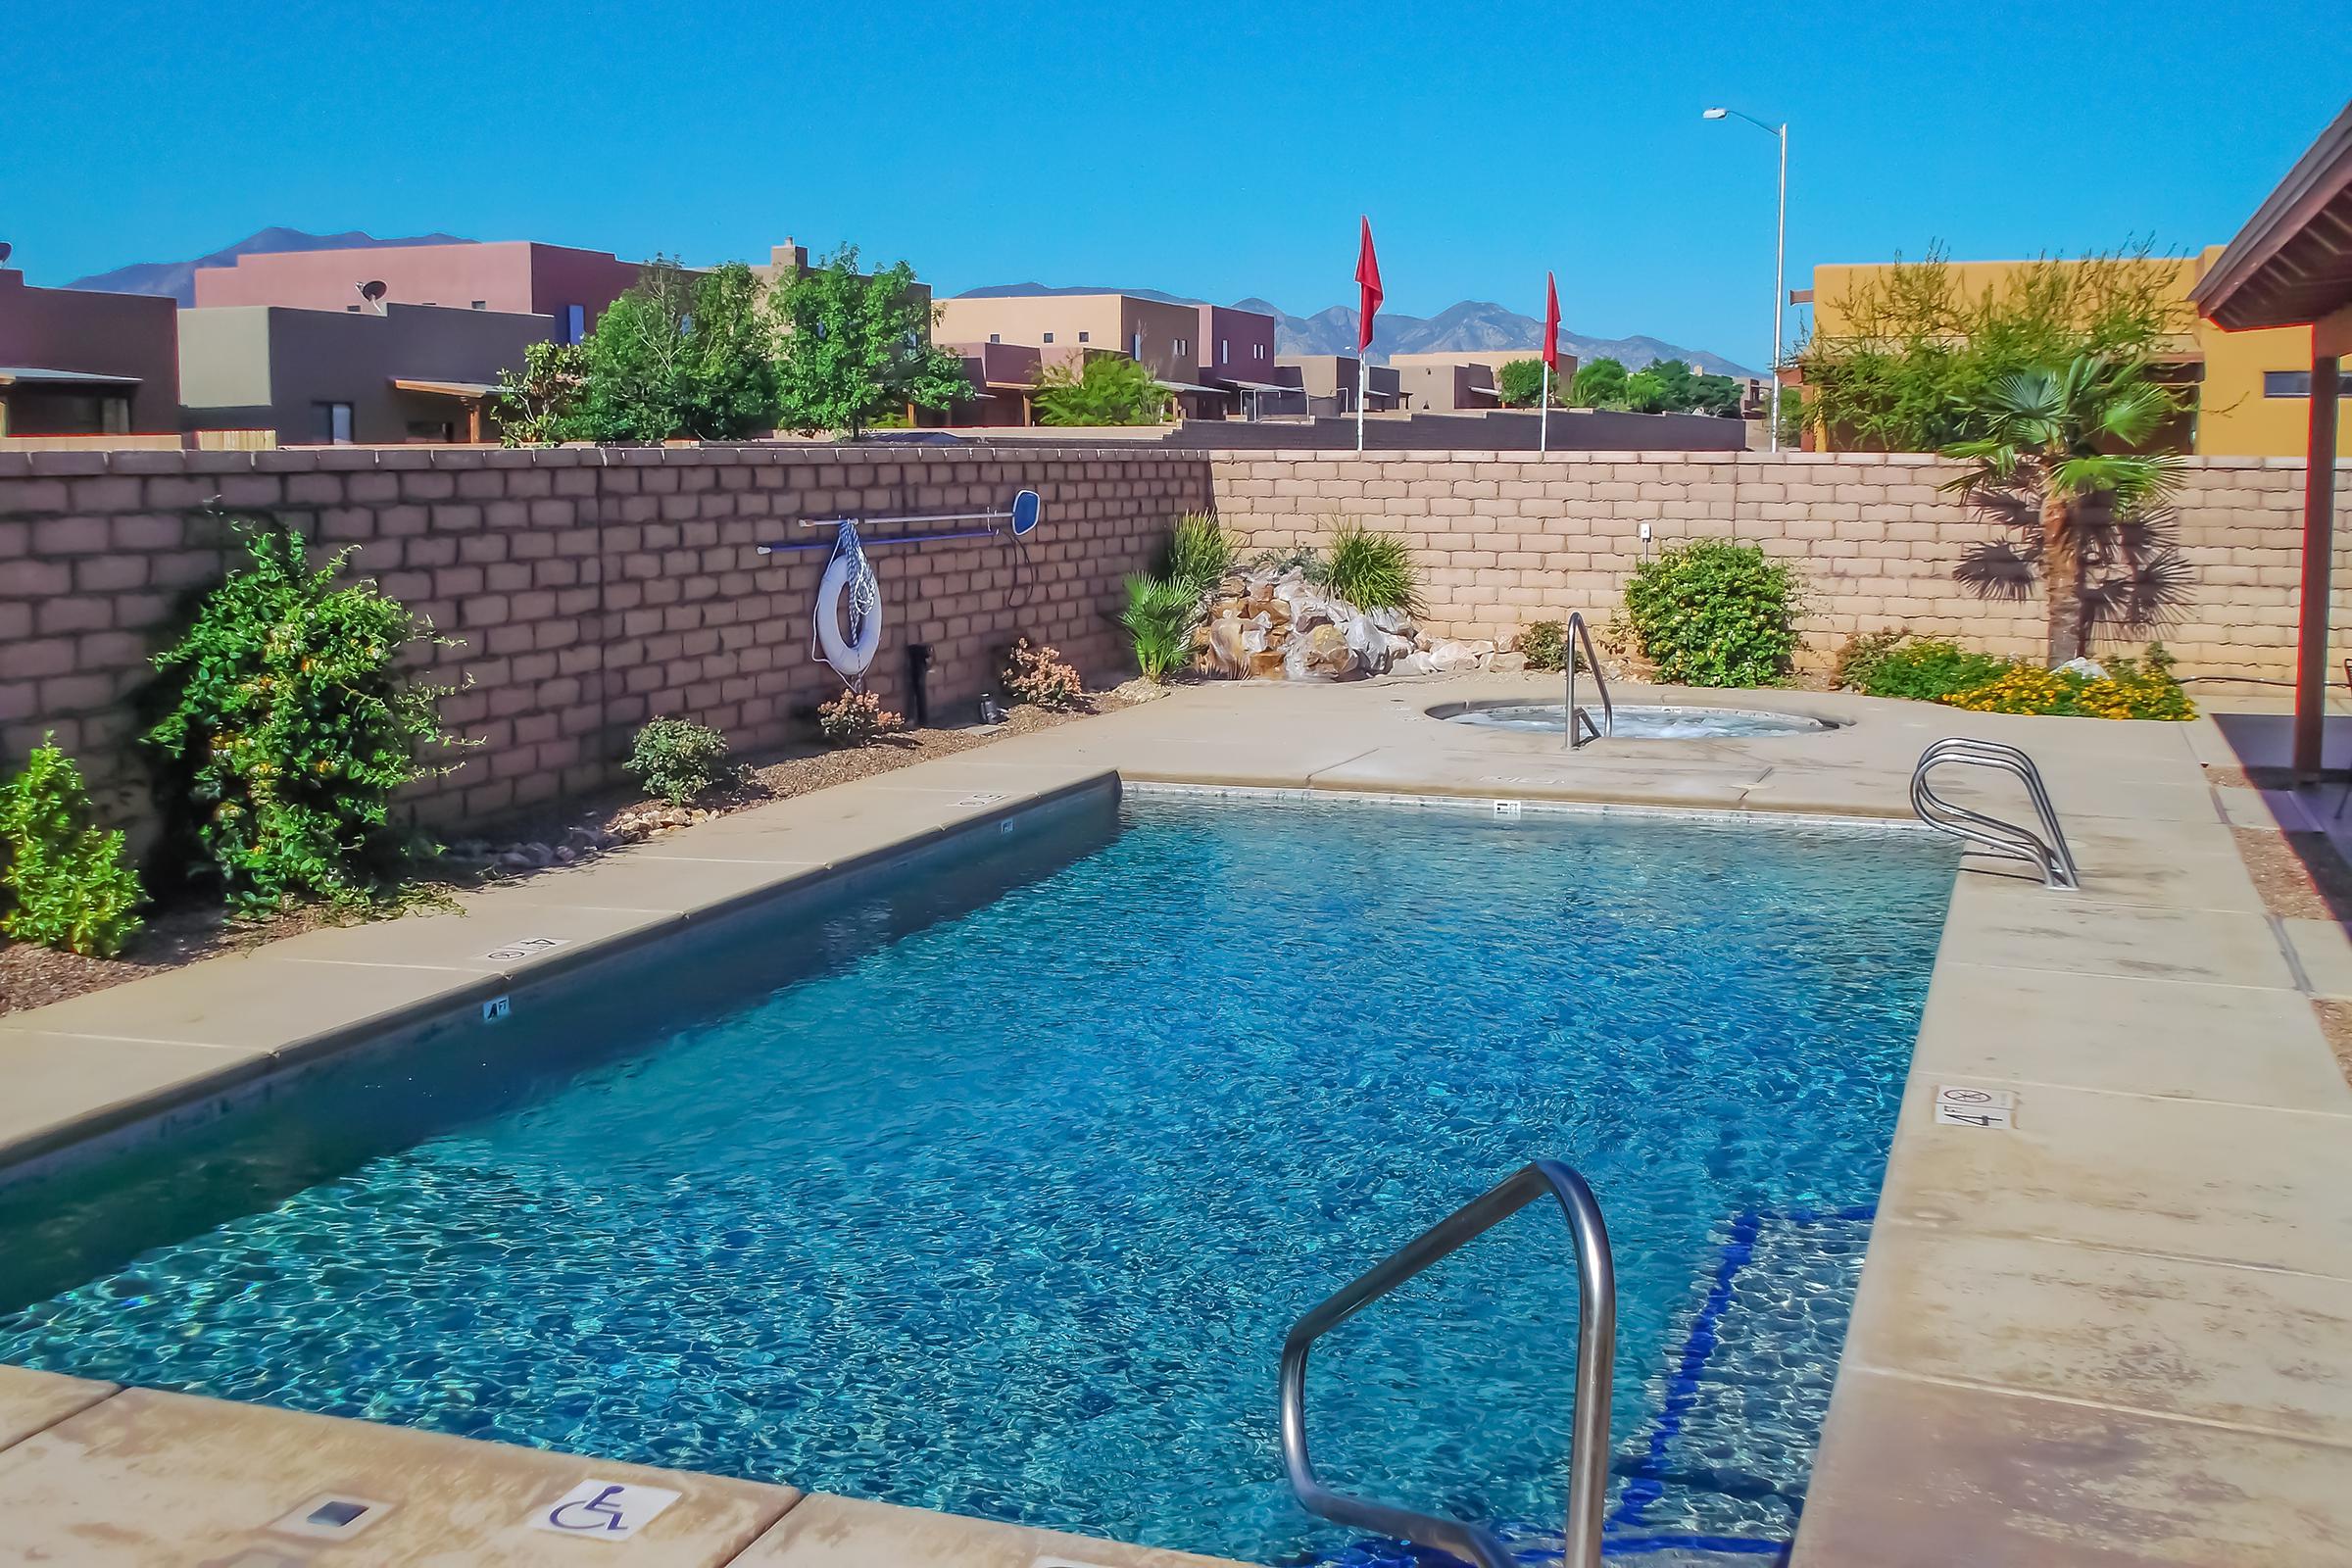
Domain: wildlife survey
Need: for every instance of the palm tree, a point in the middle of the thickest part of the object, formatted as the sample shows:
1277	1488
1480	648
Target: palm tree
2059	463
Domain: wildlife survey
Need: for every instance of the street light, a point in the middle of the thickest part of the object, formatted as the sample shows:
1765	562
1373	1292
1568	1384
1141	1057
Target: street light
1779	257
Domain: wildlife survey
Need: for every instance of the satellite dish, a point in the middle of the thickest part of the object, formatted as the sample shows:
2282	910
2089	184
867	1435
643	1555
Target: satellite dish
1025	509
372	290
6	250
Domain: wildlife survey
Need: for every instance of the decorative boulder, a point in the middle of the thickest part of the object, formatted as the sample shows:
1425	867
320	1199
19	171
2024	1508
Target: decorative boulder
1322	654
1228	645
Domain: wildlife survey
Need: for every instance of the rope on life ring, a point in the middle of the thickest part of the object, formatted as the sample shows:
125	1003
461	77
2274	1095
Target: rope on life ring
848	596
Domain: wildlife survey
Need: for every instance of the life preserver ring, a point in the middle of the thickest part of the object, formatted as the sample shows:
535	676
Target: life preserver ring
851	659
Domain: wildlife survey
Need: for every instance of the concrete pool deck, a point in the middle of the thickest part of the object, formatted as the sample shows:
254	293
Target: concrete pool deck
2117	1331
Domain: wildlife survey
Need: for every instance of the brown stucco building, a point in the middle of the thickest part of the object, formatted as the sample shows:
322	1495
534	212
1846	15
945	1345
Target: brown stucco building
413	372
521	278
77	362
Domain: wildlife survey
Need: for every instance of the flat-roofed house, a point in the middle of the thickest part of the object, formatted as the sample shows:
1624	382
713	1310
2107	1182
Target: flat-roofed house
74	361
411	373
520	277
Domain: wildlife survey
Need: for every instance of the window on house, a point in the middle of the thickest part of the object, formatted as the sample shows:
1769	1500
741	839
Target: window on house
334	423
2286	384
996	337
114	416
482	305
1258	351
1049	337
1135	345
1224	350
353	308
575	323
1086	337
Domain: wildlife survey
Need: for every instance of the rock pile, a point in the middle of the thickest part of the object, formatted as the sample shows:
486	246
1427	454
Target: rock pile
1274	626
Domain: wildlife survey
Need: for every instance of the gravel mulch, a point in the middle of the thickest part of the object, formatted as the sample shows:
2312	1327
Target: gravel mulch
33	976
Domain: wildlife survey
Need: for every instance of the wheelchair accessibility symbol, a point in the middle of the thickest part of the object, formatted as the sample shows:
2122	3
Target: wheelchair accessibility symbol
603	1510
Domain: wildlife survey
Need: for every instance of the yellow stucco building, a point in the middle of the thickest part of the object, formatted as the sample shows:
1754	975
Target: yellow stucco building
2252	388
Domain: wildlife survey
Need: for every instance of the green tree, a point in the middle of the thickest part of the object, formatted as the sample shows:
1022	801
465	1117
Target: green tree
1520	383
1110	389
678	355
1917	355
2056	463
1646	391
540	402
1600	384
854	349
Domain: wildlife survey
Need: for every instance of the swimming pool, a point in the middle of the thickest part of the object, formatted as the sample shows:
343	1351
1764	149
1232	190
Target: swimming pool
996	1189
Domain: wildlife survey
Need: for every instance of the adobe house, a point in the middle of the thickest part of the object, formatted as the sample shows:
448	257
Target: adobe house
77	362
520	277
411	373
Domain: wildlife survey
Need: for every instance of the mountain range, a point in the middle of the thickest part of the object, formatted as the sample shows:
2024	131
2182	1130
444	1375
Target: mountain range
1468	326
177	279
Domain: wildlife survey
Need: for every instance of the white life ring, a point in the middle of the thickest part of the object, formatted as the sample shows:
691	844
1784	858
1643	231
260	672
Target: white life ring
851	659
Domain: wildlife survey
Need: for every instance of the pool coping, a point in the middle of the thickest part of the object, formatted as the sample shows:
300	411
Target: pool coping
1969	1406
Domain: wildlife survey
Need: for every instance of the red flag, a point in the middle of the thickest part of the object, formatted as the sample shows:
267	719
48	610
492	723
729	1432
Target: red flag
1368	295
1551	322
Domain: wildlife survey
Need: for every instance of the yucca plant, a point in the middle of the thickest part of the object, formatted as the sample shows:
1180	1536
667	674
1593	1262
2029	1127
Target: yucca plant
1200	553
2060	465
1370	570
1160	615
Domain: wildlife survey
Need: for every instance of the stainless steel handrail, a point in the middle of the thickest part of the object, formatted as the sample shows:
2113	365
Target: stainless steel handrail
2047	852
1576	634
1595	1354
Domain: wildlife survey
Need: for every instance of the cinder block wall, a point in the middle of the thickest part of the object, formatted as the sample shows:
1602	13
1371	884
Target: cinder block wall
591	589
1506	540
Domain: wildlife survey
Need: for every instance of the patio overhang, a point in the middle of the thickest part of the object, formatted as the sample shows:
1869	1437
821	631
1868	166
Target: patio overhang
2291	266
474	395
39	375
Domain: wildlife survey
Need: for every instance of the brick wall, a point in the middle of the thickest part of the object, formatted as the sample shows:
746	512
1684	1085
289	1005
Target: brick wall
595	588
1511	539
591	589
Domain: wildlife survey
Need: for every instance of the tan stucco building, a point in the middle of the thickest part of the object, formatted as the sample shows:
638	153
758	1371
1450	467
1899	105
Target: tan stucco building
1165	337
2252	389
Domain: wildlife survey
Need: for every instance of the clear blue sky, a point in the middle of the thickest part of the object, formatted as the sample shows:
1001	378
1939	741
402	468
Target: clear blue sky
1217	150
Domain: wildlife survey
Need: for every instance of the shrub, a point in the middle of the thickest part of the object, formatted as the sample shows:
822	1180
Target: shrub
855	717
1108	389
1297	558
1715	613
1924	669
294	728
1035	674
2131	688
1545	644
678	759
71	889
1371	570
1159	618
1199	553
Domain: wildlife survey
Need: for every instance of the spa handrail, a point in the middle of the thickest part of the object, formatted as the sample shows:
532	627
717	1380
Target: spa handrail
1595	1355
1578	634
2047	851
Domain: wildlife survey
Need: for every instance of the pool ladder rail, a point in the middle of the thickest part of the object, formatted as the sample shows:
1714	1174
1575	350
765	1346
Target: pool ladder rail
1595	1357
1578	635
2046	851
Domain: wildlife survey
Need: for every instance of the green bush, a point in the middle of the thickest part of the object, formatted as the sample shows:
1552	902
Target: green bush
1715	613
1199	553
678	759
1924	669
1108	389
71	887
1545	644
294	727
1370	570
1159	618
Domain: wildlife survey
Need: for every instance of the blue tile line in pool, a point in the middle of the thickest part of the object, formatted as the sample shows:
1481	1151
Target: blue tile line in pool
1625	1533
1648	1483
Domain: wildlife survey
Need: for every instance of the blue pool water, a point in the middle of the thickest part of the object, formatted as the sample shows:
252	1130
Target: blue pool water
996	1191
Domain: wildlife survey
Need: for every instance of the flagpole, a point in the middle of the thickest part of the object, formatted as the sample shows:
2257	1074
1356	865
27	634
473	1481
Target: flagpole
1544	415
1359	400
